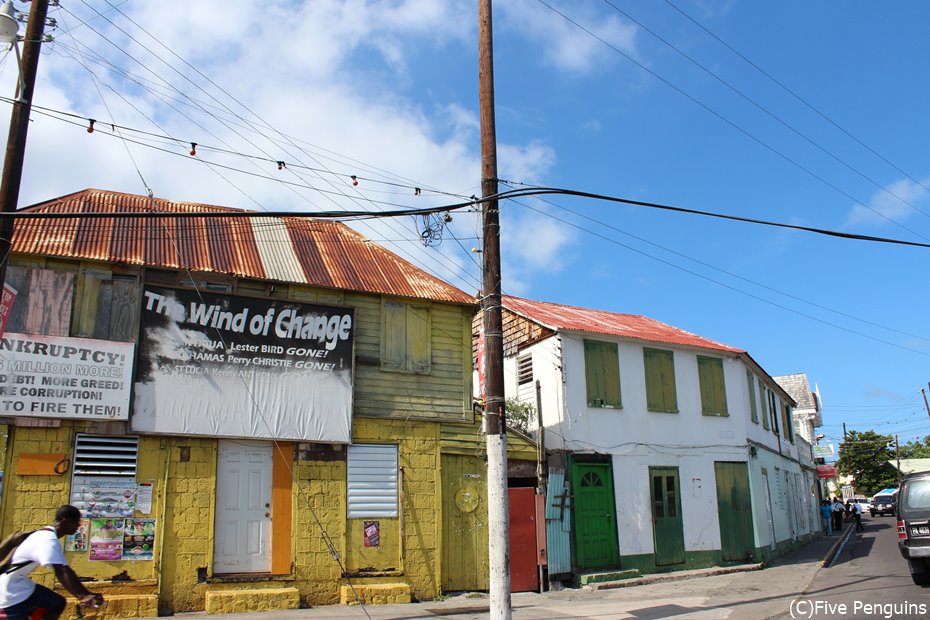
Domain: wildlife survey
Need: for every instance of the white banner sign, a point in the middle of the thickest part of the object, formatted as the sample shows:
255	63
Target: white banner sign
824	451
59	377
230	366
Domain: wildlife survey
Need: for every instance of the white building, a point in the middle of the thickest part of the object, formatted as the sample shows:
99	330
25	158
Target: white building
808	412
676	451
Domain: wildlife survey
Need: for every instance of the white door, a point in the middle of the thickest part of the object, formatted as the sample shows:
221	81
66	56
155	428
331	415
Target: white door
768	508
242	540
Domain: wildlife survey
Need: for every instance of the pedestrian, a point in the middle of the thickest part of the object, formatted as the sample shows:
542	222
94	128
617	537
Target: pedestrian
837	514
827	517
20	597
848	509
857	515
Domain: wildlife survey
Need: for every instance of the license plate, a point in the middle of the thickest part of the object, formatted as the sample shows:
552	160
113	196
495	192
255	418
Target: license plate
921	530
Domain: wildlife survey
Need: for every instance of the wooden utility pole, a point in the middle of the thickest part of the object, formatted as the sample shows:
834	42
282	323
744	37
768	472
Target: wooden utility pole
926	404
495	423
19	125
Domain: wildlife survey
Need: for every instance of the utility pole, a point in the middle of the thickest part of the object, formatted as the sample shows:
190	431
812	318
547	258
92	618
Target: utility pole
926	404
19	124
495	423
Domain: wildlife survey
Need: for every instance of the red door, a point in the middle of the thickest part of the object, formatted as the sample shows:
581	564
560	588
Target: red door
524	569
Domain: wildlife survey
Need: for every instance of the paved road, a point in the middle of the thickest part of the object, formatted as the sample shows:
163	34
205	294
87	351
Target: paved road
868	571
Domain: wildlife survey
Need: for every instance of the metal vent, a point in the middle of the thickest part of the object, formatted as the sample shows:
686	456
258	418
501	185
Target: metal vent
96	455
372	481
524	369
103	480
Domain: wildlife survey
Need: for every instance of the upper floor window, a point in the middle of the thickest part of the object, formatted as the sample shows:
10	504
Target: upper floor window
405	337
660	380
764	401
786	423
713	389
753	411
524	369
773	411
602	373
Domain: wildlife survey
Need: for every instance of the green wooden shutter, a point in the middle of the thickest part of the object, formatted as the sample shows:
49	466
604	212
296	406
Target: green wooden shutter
419	329
602	374
763	399
393	336
789	427
753	411
660	380
773	410
713	389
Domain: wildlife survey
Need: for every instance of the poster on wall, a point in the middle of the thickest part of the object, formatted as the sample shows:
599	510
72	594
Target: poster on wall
59	377
101	496
139	539
106	539
144	497
78	540
372	533
231	366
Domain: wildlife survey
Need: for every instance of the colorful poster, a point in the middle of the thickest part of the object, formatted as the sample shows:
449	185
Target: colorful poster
106	539
372	534
102	496
78	540
139	539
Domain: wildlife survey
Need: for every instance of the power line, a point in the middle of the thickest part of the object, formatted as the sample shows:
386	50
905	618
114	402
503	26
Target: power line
732	124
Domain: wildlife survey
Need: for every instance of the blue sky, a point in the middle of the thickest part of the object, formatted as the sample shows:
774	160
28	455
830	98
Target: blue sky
606	97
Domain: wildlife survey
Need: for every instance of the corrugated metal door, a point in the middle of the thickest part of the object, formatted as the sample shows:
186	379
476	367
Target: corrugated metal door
734	512
524	568
464	524
558	523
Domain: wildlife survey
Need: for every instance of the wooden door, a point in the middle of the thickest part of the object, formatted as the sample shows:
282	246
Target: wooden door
595	517
464	524
524	565
667	523
734	512
242	536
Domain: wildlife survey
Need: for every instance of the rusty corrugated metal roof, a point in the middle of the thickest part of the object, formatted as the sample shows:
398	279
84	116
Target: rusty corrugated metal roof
307	251
558	316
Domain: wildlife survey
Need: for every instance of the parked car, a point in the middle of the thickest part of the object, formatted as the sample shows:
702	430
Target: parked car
914	525
864	503
883	504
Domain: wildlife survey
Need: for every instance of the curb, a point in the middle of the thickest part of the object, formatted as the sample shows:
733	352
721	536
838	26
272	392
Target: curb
680	576
831	554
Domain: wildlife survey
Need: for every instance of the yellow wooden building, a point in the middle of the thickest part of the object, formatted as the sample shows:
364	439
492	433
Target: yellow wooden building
232	459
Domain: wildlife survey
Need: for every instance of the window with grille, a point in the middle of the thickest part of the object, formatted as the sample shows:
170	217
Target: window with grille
524	369
103	478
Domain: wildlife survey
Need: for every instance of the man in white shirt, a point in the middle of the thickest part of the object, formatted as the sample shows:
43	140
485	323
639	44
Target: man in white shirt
20	596
857	515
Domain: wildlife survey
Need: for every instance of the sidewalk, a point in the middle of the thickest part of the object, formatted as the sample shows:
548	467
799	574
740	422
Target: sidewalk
750	593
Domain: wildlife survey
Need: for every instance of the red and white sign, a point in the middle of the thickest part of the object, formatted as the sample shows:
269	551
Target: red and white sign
826	471
6	305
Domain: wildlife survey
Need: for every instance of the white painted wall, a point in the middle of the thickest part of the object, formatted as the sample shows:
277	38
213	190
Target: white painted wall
638	439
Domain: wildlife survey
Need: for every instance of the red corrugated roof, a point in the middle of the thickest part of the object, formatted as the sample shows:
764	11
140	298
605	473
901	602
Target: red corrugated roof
558	316
315	252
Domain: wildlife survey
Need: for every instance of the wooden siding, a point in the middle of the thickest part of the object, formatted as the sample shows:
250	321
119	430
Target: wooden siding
109	309
519	332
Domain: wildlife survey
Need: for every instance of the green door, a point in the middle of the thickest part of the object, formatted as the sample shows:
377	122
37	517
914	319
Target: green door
734	511
595	519
666	516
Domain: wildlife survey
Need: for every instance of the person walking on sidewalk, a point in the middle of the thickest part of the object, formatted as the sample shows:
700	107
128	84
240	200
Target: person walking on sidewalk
837	514
827	517
857	515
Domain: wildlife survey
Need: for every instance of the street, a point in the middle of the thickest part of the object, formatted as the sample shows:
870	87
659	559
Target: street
866	571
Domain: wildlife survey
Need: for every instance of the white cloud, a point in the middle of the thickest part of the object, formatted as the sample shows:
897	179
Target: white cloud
538	243
526	163
897	201
564	45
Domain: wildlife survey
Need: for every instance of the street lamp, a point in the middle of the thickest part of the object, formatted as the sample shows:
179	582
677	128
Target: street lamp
9	34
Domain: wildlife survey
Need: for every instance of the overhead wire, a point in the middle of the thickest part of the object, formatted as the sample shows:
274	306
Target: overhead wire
794	94
731	123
